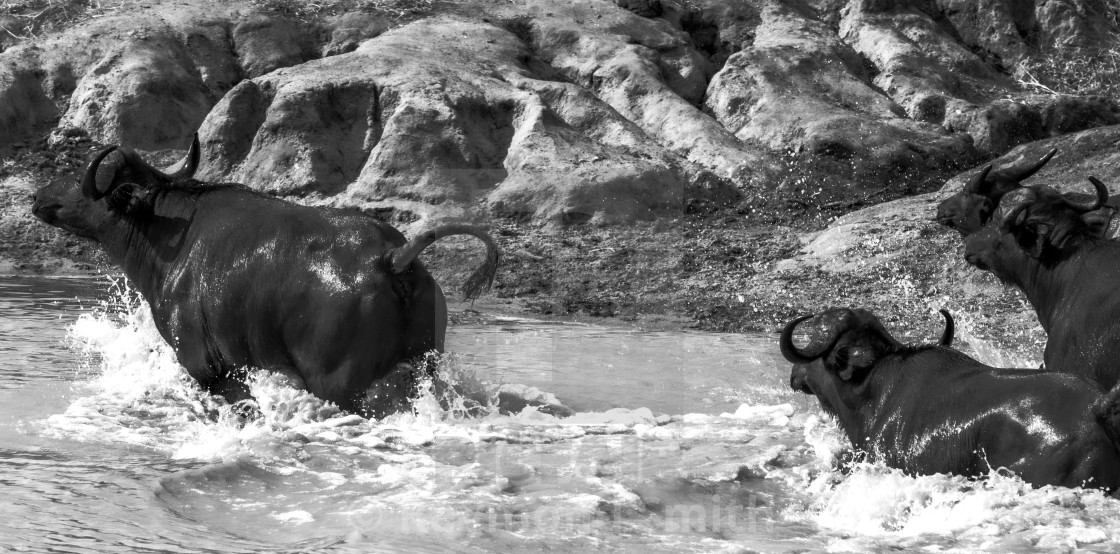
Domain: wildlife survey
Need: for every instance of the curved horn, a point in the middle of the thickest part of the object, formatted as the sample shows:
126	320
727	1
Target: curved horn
950	328
189	163
789	351
979	184
1092	204
812	352
883	332
1026	197
1006	221
1020	173
482	277
89	180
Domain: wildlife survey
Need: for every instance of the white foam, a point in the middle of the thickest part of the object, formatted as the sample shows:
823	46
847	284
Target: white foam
452	465
295	516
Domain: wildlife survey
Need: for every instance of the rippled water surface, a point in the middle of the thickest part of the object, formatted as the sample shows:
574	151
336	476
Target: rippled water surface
680	442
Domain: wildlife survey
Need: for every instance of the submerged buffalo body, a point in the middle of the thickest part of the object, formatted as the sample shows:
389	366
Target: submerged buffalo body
931	409
235	279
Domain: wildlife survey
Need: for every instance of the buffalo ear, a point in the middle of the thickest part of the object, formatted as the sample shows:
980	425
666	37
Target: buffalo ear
1096	222
854	360
979	184
984	210
1030	240
1062	234
129	199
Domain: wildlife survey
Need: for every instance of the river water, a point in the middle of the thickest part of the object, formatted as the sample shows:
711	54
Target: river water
680	442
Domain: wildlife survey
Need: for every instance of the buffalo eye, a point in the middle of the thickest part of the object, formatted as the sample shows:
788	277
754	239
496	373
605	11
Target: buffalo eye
851	360
985	210
128	199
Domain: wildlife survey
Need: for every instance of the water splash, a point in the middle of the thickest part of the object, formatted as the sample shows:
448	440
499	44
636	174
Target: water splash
453	467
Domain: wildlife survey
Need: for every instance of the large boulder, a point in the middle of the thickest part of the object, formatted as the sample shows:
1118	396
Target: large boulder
1013	30
148	94
799	87
23	104
951	63
440	118
647	70
922	66
147	79
264	43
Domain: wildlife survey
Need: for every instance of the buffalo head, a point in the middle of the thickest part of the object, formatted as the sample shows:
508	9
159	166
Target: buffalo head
971	208
844	347
117	183
990	250
1045	222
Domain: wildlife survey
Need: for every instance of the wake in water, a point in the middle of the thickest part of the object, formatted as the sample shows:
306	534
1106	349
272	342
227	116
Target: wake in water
139	395
455	469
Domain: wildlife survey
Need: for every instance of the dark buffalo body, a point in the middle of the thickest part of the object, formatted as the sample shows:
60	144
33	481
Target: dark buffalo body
1050	247
302	291
237	279
931	409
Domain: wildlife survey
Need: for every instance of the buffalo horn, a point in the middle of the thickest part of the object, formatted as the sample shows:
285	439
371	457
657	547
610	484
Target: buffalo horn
947	334
1020	173
89	180
1026	197
1094	203
813	350
187	166
189	163
1008	219
789	351
979	184
883	332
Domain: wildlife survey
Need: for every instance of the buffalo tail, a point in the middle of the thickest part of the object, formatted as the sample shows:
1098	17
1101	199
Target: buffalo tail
482	277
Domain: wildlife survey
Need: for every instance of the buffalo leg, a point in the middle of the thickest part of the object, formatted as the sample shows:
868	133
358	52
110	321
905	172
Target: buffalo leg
233	390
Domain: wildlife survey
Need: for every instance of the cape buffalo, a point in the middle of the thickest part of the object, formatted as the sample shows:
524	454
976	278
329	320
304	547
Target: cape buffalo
1042	245
930	409
968	210
236	279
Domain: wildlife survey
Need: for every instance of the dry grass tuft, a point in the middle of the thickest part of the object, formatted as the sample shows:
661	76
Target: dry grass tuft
396	9
29	19
1078	71
1073	71
36	17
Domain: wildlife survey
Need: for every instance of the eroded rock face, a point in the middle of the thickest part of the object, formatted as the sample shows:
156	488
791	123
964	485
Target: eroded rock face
264	44
10	29
1092	152
148	94
649	72
147	79
1069	114
590	110
948	62
23	105
415	122
799	87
